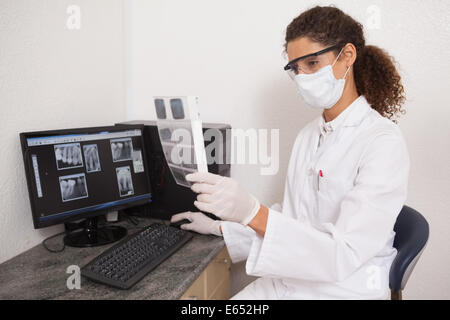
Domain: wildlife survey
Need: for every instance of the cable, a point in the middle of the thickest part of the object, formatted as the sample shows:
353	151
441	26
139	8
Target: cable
132	219
51	250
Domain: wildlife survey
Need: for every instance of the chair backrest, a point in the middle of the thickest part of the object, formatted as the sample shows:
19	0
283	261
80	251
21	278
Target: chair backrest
412	233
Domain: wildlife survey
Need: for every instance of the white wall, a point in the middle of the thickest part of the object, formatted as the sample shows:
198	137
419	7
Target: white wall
229	53
51	78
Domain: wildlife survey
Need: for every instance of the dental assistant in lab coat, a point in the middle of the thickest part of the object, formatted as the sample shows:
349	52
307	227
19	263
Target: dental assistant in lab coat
346	181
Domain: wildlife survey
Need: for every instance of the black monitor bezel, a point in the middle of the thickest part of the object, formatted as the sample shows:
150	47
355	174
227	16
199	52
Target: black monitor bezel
32	193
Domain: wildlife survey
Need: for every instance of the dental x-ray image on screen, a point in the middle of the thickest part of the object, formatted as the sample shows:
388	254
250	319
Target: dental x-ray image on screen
124	181
68	156
73	187
138	163
91	158
122	149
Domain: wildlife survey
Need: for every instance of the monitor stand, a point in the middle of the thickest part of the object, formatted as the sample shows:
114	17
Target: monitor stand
91	235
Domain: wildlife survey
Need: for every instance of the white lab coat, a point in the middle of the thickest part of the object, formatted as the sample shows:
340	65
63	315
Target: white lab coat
333	237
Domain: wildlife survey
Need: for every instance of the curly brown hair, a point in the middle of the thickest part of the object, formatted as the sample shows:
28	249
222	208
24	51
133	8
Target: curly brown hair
375	74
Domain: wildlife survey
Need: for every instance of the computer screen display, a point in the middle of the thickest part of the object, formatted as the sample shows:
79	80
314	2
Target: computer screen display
77	173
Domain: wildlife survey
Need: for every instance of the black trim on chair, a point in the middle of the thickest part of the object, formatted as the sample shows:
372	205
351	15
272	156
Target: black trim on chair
412	232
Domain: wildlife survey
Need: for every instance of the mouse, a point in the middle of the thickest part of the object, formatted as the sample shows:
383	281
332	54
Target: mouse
178	224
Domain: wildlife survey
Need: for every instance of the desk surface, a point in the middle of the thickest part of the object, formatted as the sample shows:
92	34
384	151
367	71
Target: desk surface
40	274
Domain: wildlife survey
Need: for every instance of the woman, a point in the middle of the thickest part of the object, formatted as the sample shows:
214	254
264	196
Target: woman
346	182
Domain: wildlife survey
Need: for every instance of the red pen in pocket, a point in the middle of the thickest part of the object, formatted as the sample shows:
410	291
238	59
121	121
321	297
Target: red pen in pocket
318	179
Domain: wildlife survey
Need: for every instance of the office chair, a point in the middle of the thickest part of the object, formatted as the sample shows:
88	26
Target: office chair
412	232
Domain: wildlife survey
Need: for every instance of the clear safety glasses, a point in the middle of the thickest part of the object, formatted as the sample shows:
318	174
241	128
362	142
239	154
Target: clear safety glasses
310	63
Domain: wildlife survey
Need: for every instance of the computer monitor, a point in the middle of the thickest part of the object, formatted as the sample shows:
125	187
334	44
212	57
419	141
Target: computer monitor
82	173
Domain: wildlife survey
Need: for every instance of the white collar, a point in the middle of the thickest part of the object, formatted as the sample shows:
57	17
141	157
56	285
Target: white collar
351	116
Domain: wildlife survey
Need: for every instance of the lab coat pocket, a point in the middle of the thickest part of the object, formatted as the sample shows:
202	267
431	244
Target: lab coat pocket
330	193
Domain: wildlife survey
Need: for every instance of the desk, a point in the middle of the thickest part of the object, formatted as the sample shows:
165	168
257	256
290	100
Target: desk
40	274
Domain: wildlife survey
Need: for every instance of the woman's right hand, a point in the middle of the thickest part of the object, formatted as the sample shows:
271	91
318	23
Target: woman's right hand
199	223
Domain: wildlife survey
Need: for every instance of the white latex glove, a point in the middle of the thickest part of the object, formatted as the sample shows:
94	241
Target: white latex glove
223	197
199	223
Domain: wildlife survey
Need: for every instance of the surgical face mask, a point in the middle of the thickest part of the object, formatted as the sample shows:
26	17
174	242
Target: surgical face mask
321	89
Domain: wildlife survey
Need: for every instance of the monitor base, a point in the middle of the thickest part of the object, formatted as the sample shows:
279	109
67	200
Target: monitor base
92	235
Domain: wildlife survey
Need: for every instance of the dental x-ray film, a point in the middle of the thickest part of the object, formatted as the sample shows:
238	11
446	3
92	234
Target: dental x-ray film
181	136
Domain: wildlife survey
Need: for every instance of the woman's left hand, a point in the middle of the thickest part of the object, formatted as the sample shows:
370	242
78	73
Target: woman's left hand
223	197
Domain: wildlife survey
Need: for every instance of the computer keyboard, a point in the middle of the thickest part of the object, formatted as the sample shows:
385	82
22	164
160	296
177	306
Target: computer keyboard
127	262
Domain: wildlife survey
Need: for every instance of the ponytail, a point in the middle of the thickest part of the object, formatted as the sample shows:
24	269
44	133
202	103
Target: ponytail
375	74
378	80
